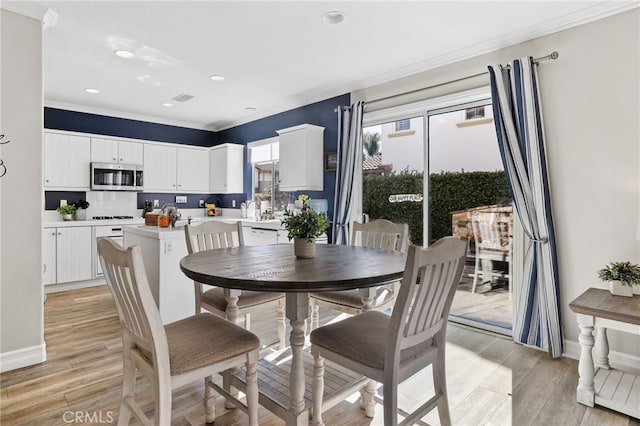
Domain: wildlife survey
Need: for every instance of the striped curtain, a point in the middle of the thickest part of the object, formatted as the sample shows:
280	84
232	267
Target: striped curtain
519	127
348	171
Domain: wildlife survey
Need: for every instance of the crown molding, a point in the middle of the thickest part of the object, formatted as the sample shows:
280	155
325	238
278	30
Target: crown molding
125	115
47	16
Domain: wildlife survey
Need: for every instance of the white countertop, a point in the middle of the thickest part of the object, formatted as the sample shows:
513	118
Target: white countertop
178	232
108	222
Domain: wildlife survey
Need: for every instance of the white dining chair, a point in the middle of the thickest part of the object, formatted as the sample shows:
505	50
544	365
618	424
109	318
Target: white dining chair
390	349
176	354
379	233
492	243
226	303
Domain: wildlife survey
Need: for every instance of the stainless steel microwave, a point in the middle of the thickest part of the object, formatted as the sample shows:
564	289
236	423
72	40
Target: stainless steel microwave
116	177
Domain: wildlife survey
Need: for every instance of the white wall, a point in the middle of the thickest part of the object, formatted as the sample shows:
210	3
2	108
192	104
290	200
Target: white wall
591	107
21	316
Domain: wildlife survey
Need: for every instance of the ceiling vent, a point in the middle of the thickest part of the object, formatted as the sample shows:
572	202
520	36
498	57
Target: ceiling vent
182	97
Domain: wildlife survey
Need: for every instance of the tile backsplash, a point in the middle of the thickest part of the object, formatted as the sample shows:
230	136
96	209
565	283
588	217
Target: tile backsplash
111	203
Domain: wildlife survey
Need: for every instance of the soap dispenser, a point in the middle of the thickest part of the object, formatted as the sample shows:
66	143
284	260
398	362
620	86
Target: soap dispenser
243	210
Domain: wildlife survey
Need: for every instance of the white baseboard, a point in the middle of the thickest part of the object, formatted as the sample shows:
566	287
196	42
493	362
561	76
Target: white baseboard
54	288
23	357
616	359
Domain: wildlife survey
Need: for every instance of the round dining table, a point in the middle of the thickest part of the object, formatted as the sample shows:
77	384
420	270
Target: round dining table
274	268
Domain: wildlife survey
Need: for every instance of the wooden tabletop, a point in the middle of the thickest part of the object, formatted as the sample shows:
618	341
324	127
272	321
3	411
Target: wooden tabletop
275	268
601	303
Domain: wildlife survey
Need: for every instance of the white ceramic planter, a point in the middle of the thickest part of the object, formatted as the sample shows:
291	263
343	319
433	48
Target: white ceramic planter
81	214
617	289
67	217
304	249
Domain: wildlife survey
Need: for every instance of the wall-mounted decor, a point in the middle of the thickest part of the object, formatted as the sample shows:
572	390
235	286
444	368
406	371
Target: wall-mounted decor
330	161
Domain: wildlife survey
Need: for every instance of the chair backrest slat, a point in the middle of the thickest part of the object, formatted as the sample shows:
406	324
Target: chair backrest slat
427	290
380	233
213	235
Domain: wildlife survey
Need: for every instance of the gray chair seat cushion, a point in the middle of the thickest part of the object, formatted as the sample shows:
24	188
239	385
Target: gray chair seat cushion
205	339
363	338
353	299
215	297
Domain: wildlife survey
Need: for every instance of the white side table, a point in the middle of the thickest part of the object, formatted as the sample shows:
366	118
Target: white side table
598	383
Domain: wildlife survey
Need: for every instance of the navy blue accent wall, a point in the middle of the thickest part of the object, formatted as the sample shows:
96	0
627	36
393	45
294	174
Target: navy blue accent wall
52	198
320	114
193	200
60	119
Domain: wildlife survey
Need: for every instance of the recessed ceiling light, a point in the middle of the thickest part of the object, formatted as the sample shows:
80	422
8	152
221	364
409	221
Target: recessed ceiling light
217	78
167	104
91	90
250	108
125	54
333	17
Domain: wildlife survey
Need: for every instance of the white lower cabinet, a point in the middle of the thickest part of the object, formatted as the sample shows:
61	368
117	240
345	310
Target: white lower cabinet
162	249
66	254
258	236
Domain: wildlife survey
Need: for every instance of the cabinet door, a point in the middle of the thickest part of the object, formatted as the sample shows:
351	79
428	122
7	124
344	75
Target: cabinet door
258	236
104	150
66	162
130	153
49	238
301	158
193	170
159	168
73	254
227	169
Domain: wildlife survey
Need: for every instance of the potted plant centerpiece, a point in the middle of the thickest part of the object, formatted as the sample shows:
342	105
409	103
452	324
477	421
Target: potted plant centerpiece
66	211
621	277
81	209
303	227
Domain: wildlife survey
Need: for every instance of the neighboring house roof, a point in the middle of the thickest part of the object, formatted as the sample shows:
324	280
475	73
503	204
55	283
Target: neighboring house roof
373	164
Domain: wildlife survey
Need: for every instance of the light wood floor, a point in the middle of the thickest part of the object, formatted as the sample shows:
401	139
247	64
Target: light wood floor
491	380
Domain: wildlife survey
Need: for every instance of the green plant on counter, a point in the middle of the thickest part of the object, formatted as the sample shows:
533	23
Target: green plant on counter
625	272
307	224
67	209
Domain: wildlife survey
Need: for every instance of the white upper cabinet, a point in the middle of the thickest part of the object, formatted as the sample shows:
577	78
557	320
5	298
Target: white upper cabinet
227	169
301	158
192	170
159	168
66	162
170	168
115	151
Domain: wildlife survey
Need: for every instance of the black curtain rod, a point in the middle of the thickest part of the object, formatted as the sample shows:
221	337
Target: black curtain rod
552	56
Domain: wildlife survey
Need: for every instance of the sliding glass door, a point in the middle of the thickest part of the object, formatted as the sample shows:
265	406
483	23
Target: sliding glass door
440	172
393	173
469	197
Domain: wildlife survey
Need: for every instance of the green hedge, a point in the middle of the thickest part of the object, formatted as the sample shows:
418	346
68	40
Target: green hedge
450	191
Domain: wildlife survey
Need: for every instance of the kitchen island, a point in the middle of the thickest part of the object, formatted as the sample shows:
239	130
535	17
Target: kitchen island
162	249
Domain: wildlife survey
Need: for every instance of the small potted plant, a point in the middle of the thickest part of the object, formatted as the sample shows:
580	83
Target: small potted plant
66	211
303	227
81	209
621	277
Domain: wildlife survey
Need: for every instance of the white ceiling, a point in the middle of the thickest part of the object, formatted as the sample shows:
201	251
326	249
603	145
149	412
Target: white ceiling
275	55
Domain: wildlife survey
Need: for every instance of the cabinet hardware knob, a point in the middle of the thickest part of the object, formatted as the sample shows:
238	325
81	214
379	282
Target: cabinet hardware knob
53	233
47	180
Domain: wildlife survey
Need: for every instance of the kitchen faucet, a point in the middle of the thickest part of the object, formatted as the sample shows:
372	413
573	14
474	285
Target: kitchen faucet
256	209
